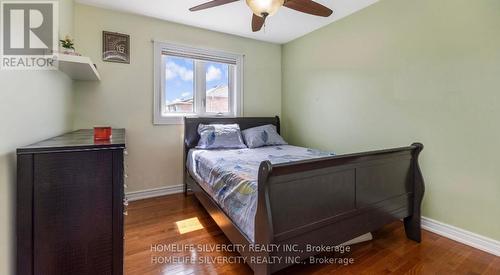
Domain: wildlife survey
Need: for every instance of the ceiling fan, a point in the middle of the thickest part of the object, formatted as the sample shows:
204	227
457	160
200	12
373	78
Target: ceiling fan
264	8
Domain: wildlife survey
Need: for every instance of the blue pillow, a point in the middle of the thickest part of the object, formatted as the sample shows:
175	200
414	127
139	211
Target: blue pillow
262	136
220	136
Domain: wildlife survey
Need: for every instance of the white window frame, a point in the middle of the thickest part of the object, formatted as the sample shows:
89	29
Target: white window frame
235	89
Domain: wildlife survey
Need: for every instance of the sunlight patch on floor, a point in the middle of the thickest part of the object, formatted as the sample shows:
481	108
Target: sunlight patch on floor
189	225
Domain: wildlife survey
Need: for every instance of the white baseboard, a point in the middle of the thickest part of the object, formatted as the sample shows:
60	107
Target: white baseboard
156	192
462	236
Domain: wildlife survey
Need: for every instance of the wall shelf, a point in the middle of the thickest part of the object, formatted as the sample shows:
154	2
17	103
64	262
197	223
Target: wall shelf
78	67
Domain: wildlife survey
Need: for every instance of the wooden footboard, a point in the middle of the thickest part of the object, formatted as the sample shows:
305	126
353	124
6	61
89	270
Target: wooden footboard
332	200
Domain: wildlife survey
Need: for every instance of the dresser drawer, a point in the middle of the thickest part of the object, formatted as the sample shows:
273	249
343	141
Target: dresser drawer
70	206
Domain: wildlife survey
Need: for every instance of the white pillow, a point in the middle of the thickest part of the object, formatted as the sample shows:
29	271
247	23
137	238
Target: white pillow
262	136
220	136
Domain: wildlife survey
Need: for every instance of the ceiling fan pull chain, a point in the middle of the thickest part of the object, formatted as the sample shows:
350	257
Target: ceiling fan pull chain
265	15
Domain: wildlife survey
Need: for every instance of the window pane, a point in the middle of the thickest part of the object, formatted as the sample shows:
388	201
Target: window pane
179	84
217	83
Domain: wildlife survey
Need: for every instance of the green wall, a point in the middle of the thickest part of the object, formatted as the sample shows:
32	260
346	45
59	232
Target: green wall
401	71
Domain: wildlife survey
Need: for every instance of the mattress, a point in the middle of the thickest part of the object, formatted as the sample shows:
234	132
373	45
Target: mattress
230	177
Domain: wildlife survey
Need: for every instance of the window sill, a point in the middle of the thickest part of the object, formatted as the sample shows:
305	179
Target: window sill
179	120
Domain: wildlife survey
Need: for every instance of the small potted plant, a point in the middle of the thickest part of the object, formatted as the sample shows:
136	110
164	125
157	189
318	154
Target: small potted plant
68	45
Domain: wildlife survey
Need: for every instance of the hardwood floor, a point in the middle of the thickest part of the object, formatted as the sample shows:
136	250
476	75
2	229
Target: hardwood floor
151	226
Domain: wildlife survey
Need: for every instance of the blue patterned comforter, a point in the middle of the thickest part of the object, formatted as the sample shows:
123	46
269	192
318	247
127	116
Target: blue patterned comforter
230	176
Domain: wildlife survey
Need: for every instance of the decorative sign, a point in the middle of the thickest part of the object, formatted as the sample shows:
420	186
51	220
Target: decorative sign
115	47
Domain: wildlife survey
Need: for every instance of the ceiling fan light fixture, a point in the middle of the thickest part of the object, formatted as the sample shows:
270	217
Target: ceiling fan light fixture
265	8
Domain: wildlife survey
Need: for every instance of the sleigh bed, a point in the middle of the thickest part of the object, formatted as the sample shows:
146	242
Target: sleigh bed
321	201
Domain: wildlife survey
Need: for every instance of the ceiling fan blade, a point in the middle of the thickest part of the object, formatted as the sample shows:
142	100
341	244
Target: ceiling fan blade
211	4
257	23
309	7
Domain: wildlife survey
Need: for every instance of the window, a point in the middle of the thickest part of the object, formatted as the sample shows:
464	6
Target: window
195	82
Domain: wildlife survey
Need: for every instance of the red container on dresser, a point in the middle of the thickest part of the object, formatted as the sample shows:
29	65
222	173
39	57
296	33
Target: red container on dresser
102	133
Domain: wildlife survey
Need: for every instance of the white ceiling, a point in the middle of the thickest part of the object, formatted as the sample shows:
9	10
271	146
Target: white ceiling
235	18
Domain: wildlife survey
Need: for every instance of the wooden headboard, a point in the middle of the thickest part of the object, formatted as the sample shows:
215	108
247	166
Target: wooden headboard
191	136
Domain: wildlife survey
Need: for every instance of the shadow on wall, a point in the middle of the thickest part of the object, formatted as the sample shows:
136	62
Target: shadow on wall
8	202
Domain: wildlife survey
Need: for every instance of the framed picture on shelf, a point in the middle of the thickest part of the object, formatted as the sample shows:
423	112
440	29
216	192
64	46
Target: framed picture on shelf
115	47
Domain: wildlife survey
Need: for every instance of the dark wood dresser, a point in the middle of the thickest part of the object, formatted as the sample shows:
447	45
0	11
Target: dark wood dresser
70	205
